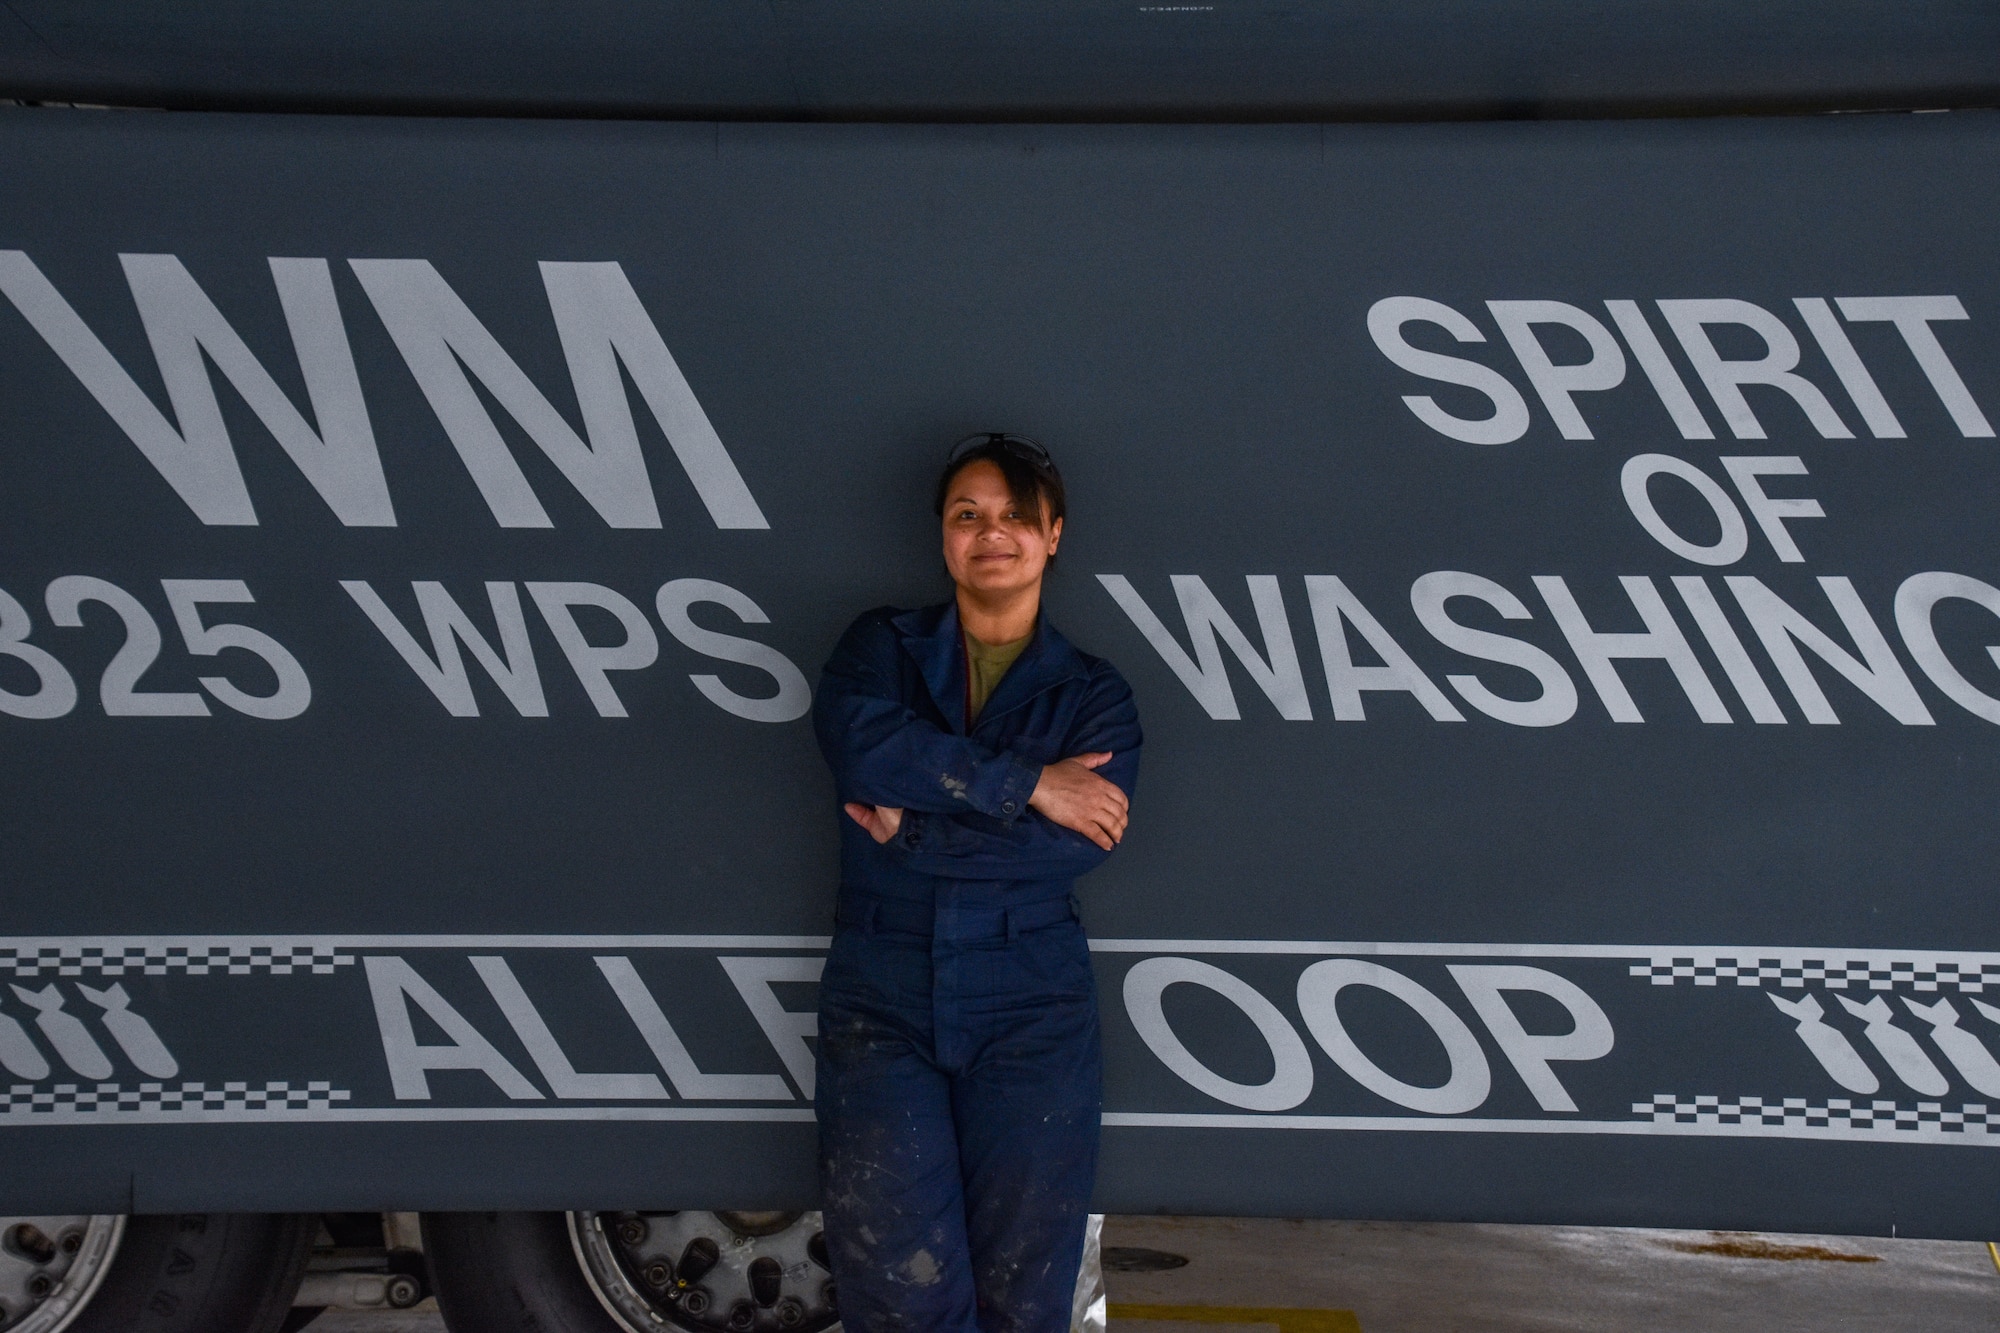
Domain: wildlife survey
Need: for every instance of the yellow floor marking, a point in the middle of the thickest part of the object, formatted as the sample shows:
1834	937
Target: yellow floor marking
1287	1321
1994	1250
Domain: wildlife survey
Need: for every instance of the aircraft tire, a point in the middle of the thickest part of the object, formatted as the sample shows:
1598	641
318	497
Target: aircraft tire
196	1273
509	1273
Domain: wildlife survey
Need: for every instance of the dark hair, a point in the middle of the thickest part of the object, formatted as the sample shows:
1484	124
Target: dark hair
1031	476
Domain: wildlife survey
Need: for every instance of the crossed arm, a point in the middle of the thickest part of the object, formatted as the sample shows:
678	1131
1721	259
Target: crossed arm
911	784
1069	795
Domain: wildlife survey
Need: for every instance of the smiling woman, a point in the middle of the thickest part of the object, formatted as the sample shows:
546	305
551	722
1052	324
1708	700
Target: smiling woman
983	764
1001	501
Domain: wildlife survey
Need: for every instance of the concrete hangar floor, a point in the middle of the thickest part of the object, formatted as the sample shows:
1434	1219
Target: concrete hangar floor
1256	1274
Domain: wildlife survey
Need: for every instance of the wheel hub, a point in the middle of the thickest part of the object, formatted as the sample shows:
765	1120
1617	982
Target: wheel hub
738	1272
50	1267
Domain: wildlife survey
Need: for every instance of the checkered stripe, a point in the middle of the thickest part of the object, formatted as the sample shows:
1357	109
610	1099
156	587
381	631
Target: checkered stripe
24	1099
1795	971
158	960
1836	1113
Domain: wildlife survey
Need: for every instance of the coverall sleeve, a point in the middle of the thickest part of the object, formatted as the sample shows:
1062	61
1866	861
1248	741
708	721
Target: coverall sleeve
882	753
965	846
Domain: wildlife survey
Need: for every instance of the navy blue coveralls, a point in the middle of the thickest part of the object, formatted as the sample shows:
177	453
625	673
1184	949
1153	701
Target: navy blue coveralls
959	1071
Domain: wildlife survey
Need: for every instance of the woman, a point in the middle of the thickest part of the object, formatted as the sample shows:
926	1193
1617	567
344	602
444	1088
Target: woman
983	764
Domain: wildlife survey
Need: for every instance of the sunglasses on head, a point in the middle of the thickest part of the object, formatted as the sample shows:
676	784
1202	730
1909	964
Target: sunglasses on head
1018	445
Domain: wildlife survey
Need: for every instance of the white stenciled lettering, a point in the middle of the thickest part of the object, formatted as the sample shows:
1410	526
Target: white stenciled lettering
183	325
1470	1078
1913	317
1783	630
790	1031
602	324
1204	674
1635	481
794	696
1916	602
1662	638
1291	1080
1334	606
55	688
1848	366
667	1047
1589	1038
340	458
1660	373
1726	378
639	649
1728	648
1771	512
1555	704
1556	383
186	597
546	1052
1509	420
394	985
119	690
512	665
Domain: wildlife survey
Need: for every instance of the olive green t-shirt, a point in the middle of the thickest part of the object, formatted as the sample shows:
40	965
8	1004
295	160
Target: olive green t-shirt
985	664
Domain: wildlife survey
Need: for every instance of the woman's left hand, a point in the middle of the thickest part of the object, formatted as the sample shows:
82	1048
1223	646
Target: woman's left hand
881	821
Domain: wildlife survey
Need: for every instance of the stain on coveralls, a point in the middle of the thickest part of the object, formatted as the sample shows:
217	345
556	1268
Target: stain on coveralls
959	1065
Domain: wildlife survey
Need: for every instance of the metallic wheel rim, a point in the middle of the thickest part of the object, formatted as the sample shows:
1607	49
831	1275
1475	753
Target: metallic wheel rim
85	1246
632	1262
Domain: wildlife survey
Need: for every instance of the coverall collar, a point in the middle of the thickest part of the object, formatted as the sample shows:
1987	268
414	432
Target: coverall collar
931	636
